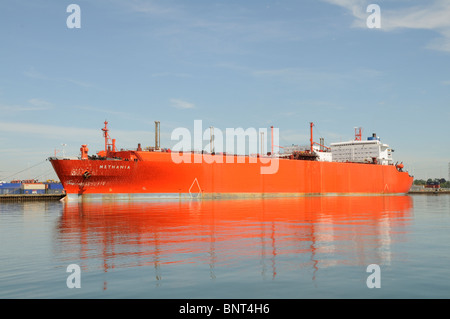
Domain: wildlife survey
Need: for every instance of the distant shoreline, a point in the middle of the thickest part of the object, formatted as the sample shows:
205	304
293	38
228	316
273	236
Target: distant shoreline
430	192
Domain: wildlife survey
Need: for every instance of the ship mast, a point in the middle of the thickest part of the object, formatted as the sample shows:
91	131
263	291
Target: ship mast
271	140
108	146
358	133
322	141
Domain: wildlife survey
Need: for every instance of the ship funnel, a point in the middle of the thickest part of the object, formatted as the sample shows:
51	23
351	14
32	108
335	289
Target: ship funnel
84	152
211	140
157	134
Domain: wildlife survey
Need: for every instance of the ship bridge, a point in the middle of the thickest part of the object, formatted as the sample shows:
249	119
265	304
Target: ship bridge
370	151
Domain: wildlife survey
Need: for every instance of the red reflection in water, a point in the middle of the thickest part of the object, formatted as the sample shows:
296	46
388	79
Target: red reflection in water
307	231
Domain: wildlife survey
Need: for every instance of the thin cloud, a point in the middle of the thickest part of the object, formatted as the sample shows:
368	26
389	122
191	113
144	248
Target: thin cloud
125	115
33	74
46	130
213	32
39	103
149	7
168	74
434	16
18	108
77	135
356	7
101	110
35	105
180	104
310	76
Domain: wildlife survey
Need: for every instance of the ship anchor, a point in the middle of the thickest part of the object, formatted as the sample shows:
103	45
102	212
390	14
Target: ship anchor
86	175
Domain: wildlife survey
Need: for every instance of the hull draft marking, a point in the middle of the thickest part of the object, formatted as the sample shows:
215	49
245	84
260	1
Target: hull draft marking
195	195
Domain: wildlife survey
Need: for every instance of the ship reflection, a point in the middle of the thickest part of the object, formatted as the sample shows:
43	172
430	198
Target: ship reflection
270	235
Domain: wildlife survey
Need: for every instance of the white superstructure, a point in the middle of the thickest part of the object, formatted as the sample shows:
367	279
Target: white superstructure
356	151
369	151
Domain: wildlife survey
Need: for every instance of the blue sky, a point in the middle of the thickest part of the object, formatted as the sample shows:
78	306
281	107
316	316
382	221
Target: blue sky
228	63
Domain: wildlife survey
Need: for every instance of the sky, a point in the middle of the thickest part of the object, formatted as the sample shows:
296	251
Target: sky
230	64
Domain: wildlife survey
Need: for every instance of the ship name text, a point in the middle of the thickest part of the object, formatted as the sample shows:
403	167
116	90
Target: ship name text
113	167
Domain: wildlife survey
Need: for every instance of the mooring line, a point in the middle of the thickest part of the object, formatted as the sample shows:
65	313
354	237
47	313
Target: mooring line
25	169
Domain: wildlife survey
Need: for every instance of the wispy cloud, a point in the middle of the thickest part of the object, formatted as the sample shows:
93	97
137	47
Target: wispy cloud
46	130
76	135
34	104
212	28
294	74
169	74
301	73
356	7
40	103
32	73
432	15
150	7
101	110
180	104
19	108
311	77
107	112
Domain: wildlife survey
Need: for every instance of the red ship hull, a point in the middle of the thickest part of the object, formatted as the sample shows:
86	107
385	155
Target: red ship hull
155	173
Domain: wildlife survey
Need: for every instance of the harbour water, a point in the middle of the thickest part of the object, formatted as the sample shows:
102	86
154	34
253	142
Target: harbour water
309	247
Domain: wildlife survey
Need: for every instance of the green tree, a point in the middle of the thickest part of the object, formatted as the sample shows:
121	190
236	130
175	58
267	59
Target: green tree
419	182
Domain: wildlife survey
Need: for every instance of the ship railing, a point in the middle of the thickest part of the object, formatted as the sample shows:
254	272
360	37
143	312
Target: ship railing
51	158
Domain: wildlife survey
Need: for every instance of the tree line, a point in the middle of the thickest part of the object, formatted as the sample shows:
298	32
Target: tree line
441	181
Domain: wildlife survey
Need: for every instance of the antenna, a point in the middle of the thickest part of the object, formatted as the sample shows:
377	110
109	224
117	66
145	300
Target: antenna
358	133
271	139
109	146
63	149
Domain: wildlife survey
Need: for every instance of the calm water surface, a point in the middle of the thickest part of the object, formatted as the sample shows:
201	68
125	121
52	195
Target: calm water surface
311	247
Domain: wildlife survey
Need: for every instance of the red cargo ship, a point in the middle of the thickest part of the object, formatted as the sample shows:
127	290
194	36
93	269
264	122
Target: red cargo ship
354	167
